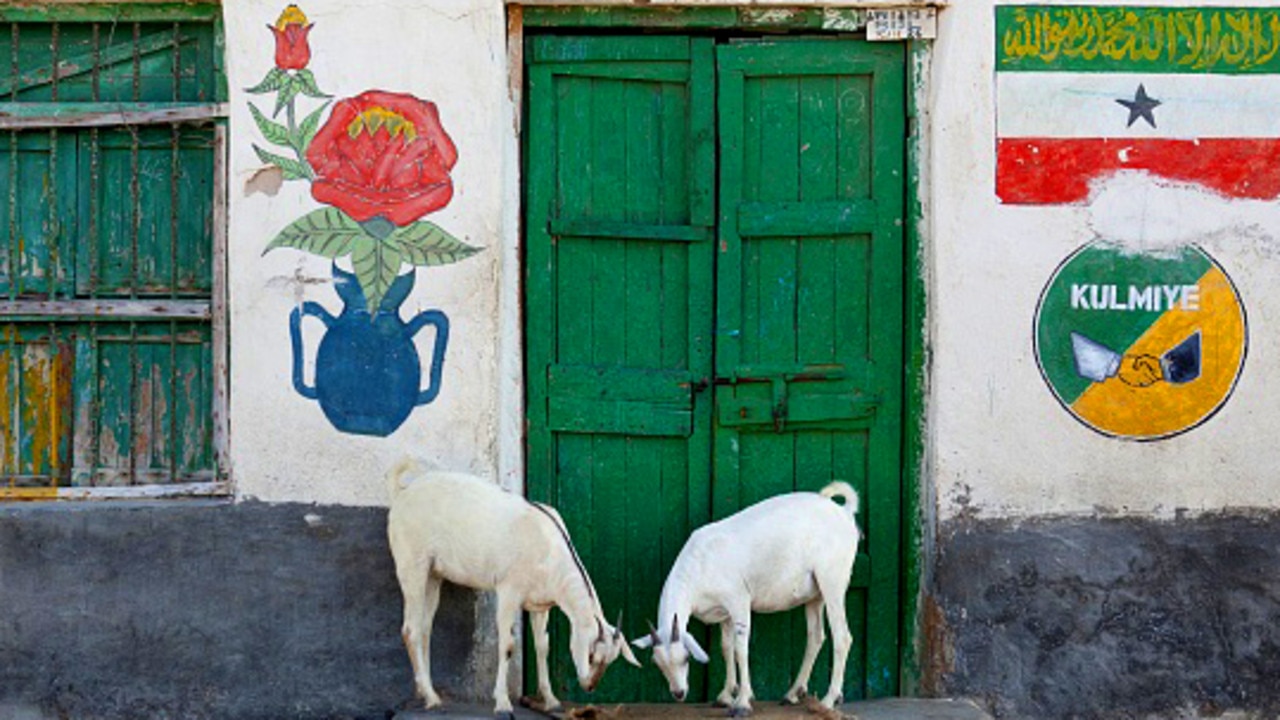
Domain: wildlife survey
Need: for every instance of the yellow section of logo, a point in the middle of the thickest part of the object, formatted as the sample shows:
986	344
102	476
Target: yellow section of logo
1136	404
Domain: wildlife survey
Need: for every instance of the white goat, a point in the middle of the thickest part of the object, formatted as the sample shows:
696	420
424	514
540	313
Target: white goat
782	552
455	527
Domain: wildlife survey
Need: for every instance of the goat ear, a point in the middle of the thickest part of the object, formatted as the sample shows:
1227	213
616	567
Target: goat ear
650	640
627	655
695	649
675	628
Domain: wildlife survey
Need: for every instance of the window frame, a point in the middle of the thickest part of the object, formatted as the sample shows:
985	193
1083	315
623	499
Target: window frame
214	309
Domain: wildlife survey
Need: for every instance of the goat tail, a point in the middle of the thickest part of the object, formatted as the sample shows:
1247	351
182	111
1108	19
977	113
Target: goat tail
398	475
843	490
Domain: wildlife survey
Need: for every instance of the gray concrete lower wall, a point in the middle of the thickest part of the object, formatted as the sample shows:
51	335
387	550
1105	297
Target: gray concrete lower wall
210	610
1110	618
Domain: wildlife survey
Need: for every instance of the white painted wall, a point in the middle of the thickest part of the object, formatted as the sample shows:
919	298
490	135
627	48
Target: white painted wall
999	443
452	53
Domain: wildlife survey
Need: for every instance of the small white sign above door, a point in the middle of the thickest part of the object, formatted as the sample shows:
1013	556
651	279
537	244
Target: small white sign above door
902	24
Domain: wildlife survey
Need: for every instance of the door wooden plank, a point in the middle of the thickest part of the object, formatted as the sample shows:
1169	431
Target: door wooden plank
642	260
640	567
884	537
701	323
702	128
540	325
614	229
854	136
806	218
733	309
586	49
653	71
613	214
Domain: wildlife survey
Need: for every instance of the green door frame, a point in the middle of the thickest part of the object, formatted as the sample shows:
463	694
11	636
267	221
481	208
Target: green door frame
916	544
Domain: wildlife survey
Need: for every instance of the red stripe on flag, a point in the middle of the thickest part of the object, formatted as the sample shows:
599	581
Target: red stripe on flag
1041	171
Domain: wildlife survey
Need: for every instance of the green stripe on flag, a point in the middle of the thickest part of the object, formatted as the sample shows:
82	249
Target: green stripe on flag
1089	38
1098	265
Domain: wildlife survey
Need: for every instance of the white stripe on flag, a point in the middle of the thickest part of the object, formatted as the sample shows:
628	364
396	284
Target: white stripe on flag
1083	105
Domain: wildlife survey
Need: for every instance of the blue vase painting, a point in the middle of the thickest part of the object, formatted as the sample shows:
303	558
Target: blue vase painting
368	375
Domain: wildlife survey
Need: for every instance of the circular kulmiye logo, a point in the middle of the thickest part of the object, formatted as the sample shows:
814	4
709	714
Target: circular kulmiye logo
1140	345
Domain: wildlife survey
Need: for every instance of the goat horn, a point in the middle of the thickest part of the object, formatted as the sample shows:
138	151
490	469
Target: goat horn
617	627
675	628
600	629
653	632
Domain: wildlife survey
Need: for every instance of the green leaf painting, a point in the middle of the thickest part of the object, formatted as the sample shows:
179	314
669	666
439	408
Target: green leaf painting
293	169
307	129
376	265
423	244
274	132
271	83
288	92
306	82
326	232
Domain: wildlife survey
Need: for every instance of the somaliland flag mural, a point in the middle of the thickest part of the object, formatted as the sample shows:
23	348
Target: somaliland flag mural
1187	94
1140	346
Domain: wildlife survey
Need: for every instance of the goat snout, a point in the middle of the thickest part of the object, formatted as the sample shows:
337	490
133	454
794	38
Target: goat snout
678	695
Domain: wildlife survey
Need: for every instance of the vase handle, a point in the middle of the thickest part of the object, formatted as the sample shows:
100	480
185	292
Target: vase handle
441	323
295	335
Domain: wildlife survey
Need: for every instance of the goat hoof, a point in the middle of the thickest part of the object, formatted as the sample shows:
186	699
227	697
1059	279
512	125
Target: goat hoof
794	698
739	712
504	715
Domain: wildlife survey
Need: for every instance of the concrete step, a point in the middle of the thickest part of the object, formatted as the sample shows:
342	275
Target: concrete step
887	709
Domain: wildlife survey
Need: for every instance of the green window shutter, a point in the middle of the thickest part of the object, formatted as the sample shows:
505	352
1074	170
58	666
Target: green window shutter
106	267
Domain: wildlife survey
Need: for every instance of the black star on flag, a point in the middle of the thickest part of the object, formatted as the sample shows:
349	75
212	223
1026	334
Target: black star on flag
1140	107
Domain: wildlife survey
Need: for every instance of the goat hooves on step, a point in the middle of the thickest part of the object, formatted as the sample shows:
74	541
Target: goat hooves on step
739	712
797	700
504	715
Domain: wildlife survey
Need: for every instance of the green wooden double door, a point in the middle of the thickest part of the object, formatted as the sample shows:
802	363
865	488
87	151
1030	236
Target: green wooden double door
714	315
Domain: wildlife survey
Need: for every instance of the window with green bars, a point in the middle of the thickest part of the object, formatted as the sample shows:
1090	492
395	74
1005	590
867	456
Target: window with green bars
112	331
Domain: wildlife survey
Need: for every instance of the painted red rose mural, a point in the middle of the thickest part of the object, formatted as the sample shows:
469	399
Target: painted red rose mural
383	154
379	163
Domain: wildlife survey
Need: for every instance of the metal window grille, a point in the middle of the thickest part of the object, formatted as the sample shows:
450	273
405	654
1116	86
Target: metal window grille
112	330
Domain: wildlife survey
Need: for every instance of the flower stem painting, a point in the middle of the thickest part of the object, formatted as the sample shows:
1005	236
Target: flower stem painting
378	165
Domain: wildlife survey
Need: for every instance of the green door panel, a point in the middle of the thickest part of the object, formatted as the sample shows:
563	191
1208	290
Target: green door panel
809	315
714	288
618	321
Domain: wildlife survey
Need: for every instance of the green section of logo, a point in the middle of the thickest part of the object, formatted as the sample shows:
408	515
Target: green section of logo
1104	38
1110	297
